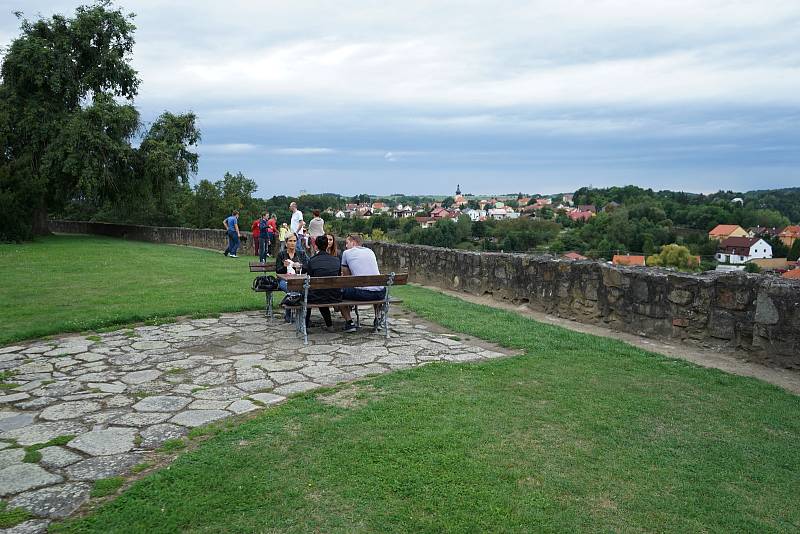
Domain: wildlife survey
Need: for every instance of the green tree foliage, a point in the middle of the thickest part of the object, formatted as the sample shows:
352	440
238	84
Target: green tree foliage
751	267
45	118
794	251
206	206
779	249
676	256
524	234
167	163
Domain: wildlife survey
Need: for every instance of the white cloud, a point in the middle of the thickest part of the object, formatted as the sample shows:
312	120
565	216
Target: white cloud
227	148
303	151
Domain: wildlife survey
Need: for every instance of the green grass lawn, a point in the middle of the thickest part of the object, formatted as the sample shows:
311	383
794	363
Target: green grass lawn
75	283
579	434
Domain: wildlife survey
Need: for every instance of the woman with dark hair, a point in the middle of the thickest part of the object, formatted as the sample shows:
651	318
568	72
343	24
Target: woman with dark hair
333	248
293	257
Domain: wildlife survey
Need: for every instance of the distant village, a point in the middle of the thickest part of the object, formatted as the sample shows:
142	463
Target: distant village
497	207
737	246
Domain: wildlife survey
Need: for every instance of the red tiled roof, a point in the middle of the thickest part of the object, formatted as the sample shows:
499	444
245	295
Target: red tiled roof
585	215
628	260
723	229
790	231
574	256
739	242
793	274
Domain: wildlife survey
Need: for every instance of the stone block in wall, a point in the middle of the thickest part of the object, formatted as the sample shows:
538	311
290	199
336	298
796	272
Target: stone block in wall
721	324
766	311
735	292
681	297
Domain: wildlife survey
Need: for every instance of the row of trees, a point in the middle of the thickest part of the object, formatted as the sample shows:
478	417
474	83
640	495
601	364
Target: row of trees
68	126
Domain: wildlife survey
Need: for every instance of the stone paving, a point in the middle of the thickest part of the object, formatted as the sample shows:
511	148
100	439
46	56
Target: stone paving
122	394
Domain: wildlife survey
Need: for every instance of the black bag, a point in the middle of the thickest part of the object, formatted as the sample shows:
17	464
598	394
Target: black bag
265	283
292	299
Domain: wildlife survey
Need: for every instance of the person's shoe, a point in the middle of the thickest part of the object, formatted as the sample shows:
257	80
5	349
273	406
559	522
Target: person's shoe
234	256
224	252
350	326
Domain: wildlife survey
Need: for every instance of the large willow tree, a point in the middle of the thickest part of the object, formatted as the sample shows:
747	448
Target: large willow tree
67	120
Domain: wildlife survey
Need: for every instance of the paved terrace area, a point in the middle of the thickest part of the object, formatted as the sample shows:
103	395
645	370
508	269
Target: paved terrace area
123	394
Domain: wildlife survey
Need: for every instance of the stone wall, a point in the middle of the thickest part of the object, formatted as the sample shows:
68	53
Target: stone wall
753	313
203	238
757	314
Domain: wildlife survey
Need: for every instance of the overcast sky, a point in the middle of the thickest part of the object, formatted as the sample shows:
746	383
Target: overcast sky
533	96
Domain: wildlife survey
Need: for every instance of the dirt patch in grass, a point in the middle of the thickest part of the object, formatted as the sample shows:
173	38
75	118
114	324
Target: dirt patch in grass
351	398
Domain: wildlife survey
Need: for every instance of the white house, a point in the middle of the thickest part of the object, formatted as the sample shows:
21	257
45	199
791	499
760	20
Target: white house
503	213
475	215
738	250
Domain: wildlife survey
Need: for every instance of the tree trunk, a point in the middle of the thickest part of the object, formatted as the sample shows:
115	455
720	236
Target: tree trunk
40	225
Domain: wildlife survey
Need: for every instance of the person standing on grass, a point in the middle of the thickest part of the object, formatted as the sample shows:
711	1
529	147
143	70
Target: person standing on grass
255	232
264	238
297	223
316	227
232	227
282	236
358	260
272	230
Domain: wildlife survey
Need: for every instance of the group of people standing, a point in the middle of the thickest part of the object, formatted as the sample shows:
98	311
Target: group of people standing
266	233
309	249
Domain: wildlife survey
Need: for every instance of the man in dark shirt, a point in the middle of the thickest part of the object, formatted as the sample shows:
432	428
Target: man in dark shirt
323	264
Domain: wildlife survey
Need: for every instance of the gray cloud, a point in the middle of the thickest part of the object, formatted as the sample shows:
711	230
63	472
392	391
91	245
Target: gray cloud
474	89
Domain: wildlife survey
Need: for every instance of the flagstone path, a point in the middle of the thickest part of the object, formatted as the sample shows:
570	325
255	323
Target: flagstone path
102	403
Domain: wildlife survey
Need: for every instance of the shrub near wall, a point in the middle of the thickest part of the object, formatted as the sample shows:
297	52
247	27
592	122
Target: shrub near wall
753	313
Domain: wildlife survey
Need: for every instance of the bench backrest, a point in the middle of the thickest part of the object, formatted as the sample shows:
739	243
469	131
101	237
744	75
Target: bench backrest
257	267
337	282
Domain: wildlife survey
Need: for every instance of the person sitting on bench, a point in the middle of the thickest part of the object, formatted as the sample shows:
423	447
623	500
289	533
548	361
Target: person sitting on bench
358	260
323	264
290	256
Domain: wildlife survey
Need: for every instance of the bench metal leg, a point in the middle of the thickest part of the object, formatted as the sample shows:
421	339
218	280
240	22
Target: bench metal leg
389	284
304	309
268	305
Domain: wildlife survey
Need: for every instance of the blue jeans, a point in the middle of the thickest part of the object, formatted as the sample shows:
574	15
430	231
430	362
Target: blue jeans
233	243
263	248
356	293
283	287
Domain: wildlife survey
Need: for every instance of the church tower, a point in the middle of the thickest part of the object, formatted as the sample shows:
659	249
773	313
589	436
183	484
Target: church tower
458	189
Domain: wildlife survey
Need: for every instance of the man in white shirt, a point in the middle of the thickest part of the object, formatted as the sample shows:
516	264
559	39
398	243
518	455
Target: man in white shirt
296	224
359	261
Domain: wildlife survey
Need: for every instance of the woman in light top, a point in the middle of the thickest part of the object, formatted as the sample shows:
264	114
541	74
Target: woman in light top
316	227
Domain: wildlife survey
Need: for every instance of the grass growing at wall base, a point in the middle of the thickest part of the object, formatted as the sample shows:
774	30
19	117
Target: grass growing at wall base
77	283
579	434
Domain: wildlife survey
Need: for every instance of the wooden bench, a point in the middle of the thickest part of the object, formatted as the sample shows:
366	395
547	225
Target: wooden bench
258	267
303	284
